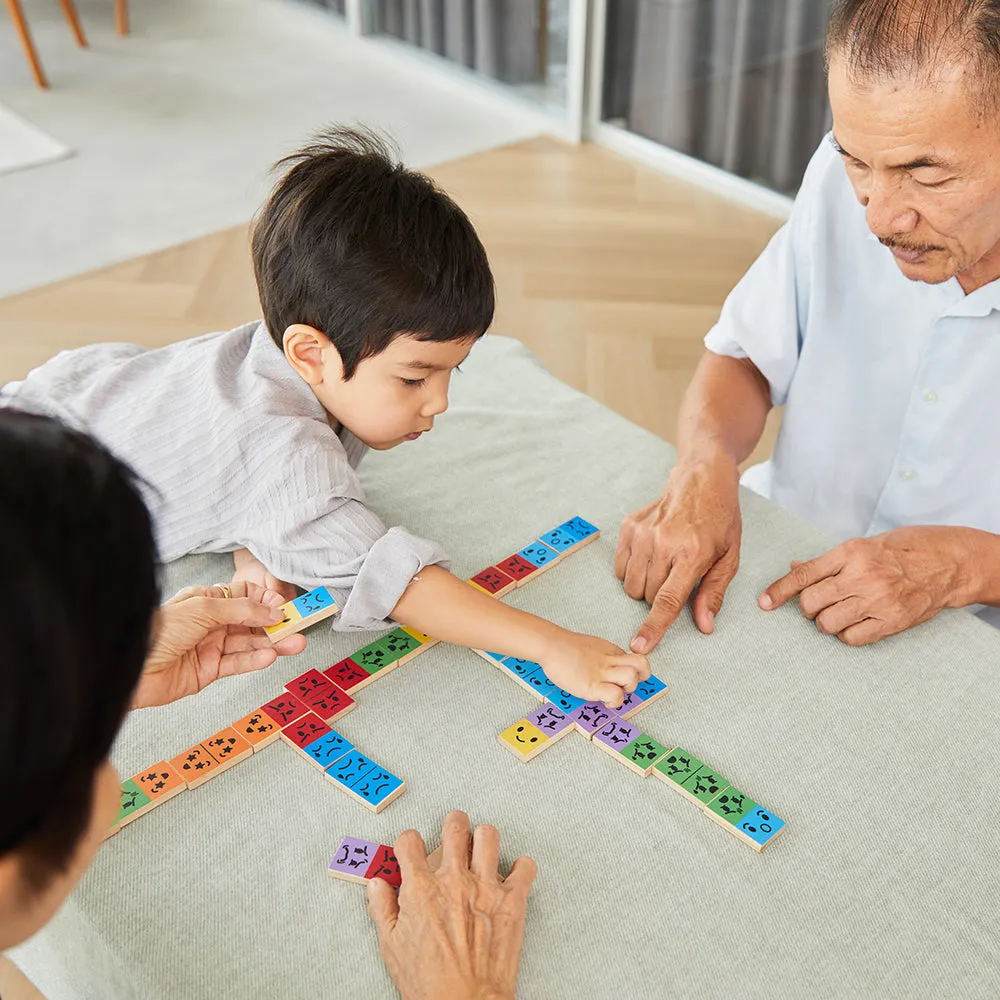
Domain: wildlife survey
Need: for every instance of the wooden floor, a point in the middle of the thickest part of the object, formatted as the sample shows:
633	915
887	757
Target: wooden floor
609	271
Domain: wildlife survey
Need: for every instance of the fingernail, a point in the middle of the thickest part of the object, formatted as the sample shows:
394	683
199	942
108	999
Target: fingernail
639	645
765	601
711	621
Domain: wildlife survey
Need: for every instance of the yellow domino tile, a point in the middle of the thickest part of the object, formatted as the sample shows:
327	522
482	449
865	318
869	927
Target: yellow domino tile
524	740
419	636
291	613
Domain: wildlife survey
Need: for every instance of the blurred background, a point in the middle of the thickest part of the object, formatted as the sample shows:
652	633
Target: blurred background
624	160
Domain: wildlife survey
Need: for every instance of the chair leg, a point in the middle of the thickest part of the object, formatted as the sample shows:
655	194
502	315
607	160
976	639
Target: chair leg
121	16
74	22
17	16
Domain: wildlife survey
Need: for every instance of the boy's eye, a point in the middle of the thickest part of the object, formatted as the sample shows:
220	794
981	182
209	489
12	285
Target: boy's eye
415	382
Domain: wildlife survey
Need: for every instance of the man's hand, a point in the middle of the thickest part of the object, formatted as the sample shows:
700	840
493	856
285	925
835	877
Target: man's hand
455	932
868	588
691	533
202	635
249	569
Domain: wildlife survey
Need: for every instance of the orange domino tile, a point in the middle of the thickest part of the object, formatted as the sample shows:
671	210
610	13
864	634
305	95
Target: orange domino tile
258	729
228	747
195	765
160	782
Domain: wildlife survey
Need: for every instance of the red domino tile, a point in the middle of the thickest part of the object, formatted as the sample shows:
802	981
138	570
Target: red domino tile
492	579
385	866
330	703
303	731
346	674
285	709
305	684
517	567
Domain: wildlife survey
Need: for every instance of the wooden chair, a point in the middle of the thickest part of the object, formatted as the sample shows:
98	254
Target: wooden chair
21	26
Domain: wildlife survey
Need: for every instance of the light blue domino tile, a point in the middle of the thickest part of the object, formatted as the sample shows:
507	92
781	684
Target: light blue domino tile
520	668
565	701
542	684
579	527
559	539
350	769
315	600
760	825
328	749
376	786
649	687
499	657
538	554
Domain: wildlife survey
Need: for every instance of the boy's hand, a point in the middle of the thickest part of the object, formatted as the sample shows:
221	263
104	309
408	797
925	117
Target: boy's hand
249	569
594	668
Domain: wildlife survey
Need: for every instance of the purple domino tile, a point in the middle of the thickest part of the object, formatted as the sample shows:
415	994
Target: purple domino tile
592	716
617	734
353	858
549	719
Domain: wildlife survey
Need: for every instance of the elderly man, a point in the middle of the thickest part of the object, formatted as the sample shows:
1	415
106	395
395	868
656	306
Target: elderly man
872	317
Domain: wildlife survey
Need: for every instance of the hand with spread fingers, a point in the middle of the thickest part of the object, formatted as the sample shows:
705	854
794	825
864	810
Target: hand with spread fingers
868	588
204	633
454	931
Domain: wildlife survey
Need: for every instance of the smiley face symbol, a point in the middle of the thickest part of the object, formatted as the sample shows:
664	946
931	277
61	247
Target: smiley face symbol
517	736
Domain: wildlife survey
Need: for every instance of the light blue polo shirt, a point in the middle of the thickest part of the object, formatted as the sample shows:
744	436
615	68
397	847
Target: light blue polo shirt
891	387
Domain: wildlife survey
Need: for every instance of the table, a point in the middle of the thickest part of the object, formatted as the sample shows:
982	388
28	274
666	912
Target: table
880	759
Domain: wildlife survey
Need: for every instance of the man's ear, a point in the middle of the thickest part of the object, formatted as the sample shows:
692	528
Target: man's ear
312	355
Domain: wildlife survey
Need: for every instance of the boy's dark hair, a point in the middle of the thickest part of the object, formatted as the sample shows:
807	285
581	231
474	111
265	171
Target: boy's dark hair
886	38
354	244
79	588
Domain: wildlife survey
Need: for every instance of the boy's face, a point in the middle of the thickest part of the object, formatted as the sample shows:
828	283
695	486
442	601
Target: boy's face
394	396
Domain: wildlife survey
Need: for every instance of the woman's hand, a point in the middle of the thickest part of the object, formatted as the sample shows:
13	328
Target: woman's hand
202	635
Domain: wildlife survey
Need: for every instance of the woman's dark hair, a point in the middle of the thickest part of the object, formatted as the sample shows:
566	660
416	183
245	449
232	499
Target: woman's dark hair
354	244
78	588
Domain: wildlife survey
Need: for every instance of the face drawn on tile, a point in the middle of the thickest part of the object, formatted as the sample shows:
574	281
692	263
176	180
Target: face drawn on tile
517	567
313	602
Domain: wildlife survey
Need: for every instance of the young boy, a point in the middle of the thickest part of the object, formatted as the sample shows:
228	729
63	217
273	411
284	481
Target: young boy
374	288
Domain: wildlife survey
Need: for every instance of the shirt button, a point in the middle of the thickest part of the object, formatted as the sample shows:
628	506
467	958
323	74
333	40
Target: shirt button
930	396
907	474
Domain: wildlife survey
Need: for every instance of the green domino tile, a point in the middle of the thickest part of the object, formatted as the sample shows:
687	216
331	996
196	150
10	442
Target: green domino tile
731	805
705	784
379	654
133	799
644	751
678	765
398	641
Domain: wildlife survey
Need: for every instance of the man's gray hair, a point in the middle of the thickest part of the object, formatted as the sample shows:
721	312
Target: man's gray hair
884	39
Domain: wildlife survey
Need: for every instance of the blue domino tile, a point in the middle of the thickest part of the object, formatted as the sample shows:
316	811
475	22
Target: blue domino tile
538	554
315	600
761	826
328	749
559	539
544	686
579	527
648	688
565	701
496	656
350	769
520	668
376	786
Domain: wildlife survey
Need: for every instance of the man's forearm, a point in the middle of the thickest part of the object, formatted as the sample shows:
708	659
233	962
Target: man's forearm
447	608
724	409
980	580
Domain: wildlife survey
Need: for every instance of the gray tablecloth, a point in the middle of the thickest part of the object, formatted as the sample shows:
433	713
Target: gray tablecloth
882	761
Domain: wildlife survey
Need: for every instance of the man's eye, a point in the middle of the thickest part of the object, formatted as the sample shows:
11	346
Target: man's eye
415	382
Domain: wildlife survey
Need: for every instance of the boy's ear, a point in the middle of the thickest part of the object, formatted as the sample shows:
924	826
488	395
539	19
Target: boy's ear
311	353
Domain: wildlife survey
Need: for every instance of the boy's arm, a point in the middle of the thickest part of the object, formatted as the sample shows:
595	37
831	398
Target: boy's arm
438	603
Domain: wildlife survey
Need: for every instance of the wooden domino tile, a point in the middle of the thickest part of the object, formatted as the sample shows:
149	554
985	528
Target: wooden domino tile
422	637
591	717
327	750
561	540
493	581
642	754
540	555
376	789
134	803
524	740
565	701
303	731
402	644
520	670
228	747
702	786
284	709
582	528
303	612
196	765
307	684
331	704
675	767
518	569
571	535
353	859
494	659
614	736
385	866
258	729
377	658
348	675
159	782
350	768
758	828
551	721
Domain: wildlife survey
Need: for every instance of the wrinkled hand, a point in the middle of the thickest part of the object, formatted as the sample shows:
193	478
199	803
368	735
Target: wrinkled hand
868	588
593	668
249	569
202	636
691	533
455	932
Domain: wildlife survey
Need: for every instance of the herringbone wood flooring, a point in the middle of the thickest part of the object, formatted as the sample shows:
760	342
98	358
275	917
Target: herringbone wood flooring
608	270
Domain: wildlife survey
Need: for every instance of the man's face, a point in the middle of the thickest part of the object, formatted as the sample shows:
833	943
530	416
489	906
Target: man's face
925	163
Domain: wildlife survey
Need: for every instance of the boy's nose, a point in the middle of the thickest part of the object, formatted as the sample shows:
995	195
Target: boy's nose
435	404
